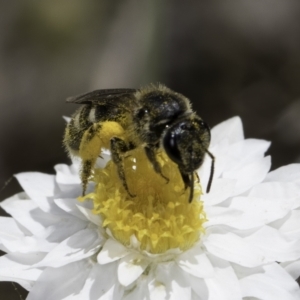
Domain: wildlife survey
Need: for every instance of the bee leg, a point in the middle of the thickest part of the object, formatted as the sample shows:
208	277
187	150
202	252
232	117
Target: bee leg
188	180
89	150
118	146
86	170
198	178
150	152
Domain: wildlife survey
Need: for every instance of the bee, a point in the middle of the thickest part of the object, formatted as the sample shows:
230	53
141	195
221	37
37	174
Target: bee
153	117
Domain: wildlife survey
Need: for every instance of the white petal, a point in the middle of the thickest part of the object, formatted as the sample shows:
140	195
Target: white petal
291	228
287	173
38	222
140	291
199	287
221	189
277	190
262	210
68	180
175	280
249	175
28	214
77	247
231	218
9	231
40	188
293	268
231	129
70	206
195	262
27	244
218	215
111	251
130	268
273	245
274	284
67	175
9	227
242	272
157	290
233	248
61	283
15	267
89	215
63	229
102	283
224	285
245	152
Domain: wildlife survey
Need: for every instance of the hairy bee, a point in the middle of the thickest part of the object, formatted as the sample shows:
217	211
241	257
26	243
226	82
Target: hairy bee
123	119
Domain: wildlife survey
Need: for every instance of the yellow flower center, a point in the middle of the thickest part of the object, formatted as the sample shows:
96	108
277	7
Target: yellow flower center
159	216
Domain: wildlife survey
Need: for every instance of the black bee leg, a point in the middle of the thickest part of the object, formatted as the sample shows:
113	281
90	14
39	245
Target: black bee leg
188	180
118	146
198	179
150	152
86	170
89	150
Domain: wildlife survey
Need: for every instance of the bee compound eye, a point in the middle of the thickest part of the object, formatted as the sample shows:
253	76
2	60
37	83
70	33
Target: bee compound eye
171	147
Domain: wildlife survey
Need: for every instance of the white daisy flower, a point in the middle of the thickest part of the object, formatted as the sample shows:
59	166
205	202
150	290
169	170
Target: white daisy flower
240	241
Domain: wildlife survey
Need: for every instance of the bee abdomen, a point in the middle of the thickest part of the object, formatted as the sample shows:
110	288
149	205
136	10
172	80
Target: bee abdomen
75	130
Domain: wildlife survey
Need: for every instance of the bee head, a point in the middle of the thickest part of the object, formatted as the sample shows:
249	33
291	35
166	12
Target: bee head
186	142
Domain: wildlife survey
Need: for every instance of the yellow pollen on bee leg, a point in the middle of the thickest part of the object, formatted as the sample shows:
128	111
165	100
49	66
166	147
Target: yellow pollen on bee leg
99	137
160	216
110	129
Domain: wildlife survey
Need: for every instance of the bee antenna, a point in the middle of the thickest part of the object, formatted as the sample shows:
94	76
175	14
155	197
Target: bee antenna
212	169
191	187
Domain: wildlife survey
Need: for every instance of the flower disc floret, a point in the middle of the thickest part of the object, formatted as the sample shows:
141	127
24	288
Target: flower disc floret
159	216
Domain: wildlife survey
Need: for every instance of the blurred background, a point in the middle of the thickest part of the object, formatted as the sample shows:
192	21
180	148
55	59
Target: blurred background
229	57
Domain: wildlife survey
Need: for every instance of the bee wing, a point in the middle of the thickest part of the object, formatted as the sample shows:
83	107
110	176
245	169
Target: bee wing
99	96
